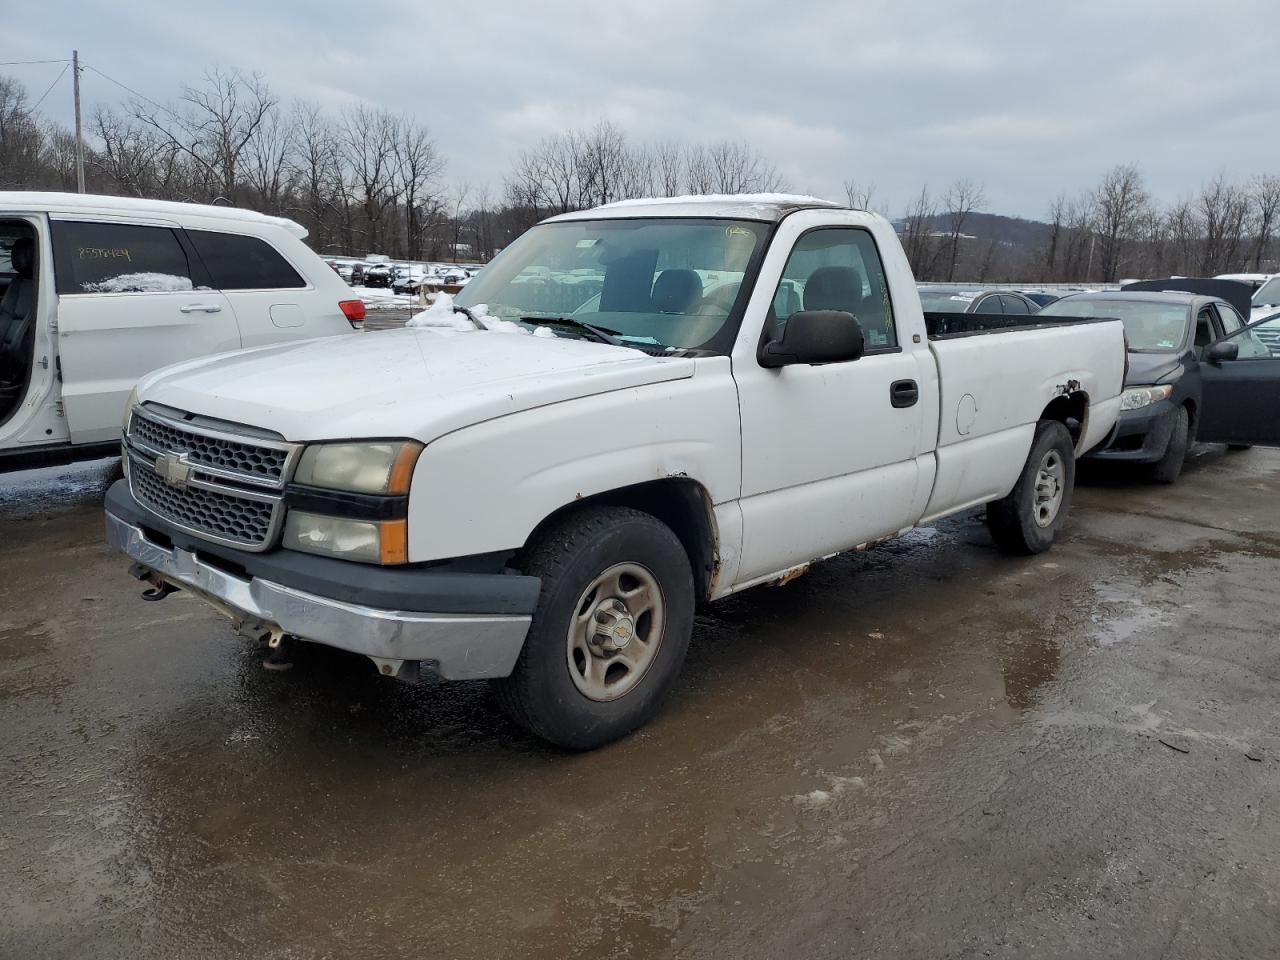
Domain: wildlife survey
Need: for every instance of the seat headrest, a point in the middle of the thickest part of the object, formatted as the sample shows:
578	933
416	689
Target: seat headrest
677	291
23	256
834	288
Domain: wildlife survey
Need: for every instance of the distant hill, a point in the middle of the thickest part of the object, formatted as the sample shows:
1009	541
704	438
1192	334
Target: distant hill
1003	243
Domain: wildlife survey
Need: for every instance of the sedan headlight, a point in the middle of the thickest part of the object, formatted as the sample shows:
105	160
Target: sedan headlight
1138	397
366	541
380	467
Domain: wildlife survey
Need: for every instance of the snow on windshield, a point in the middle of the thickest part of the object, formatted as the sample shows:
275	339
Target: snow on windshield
442	316
139	283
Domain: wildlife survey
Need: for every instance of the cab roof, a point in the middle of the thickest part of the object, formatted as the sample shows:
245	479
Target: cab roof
32	201
768	207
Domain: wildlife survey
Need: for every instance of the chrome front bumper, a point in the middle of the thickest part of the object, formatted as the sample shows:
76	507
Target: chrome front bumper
456	646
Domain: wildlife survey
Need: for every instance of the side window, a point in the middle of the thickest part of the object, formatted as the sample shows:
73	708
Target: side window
1205	334
838	269
118	258
1015	305
1251	345
1231	321
989	304
237	262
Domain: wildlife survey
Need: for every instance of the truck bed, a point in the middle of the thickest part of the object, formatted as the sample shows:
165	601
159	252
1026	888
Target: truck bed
943	326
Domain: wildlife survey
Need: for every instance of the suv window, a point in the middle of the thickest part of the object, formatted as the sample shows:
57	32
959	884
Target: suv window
238	262
118	258
838	268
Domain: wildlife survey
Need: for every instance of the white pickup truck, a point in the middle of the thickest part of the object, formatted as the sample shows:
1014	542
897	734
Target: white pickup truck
634	409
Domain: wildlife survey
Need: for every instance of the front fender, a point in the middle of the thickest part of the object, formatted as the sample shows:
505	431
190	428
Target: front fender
485	488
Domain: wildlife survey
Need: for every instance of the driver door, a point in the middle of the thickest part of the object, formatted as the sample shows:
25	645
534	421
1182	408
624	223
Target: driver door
1241	393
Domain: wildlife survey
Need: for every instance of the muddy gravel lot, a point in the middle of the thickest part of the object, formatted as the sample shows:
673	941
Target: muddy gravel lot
923	750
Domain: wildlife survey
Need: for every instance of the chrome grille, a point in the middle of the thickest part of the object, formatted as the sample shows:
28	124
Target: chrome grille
1270	338
256	462
229	518
207	479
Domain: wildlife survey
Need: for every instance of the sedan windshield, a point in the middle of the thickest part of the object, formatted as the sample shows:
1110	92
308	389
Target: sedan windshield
653	283
1150	327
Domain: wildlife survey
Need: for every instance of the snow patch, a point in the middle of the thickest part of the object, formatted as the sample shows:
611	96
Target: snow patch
771	199
139	283
442	315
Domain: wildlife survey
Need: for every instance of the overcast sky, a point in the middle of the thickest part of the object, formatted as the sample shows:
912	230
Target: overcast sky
1029	98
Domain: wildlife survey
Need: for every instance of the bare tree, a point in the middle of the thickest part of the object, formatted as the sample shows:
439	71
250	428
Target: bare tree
1223	208
417	165
858	195
213	124
963	197
1265	195
368	139
919	234
1120	200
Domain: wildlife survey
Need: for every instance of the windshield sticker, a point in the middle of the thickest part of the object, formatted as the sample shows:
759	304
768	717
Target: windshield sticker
737	232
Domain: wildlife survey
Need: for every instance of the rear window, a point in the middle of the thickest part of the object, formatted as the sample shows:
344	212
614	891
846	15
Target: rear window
237	262
118	258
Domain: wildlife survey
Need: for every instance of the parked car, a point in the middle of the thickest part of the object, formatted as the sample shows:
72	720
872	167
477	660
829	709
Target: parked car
960	299
546	510
98	291
377	275
1040	298
1193	373
409	281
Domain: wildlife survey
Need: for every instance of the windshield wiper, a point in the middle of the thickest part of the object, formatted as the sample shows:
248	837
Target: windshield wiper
601	334
459	308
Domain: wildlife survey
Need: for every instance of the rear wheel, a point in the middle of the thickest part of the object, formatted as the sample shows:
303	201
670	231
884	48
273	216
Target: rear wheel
1028	519
610	631
1169	466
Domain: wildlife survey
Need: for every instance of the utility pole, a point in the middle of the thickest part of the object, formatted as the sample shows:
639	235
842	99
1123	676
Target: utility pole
75	77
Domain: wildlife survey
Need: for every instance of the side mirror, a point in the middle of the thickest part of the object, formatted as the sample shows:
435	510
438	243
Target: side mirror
1222	350
815	336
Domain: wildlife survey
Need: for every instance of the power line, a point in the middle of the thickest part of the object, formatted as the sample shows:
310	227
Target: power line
24	63
158	106
50	88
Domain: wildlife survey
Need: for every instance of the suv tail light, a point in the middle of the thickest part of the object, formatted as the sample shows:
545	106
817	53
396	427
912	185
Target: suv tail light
353	310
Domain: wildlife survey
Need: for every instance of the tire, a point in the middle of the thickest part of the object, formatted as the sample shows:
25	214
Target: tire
1024	523
1169	466
599	568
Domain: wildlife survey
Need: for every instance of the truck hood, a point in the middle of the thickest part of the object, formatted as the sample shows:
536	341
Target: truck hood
416	382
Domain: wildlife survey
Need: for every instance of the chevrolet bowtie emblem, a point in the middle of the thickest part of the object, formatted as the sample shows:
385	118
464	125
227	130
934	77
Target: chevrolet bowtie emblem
174	469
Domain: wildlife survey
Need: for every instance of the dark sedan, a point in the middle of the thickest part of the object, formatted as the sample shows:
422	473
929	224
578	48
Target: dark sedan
936	298
1193	367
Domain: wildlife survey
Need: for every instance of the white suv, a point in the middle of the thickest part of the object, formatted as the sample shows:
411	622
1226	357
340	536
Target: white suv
97	291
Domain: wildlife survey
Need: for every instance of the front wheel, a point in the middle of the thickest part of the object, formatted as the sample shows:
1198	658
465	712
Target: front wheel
1027	520
610	631
1169	467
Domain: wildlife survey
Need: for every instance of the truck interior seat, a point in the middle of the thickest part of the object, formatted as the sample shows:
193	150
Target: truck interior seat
17	318
677	291
834	288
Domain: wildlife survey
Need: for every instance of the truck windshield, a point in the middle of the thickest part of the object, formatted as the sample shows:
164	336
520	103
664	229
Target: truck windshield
654	283
1268	295
1150	327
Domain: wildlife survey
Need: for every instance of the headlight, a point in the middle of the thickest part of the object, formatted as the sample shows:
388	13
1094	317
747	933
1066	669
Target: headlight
1139	397
128	410
384	466
366	541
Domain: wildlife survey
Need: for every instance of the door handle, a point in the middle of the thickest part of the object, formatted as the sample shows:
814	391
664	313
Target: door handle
201	308
904	393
